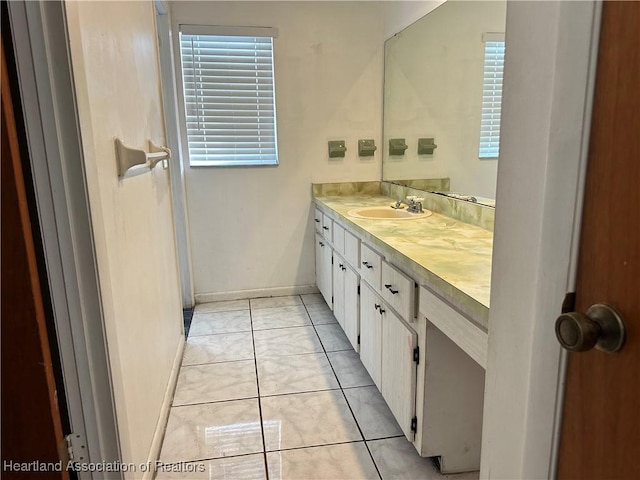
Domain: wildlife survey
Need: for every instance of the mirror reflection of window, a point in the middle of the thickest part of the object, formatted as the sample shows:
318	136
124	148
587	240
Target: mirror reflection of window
491	95
433	88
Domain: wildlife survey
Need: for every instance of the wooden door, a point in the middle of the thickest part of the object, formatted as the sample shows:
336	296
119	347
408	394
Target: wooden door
31	422
601	421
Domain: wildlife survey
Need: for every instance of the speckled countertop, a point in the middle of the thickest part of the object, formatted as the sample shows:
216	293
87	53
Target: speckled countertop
451	258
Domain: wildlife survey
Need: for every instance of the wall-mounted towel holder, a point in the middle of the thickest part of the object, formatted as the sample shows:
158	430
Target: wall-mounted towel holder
336	148
366	148
426	146
397	146
134	161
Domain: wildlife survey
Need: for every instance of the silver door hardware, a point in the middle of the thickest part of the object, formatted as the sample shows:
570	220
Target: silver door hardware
602	327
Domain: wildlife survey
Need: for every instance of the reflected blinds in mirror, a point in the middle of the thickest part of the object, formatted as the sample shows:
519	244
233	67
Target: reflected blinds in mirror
491	98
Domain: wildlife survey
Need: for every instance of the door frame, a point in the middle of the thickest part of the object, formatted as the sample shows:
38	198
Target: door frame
47	93
548	91
176	166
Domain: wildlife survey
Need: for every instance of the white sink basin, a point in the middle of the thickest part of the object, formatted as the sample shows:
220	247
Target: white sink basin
386	213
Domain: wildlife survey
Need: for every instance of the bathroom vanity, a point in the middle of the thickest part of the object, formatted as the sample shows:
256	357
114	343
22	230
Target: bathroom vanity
412	296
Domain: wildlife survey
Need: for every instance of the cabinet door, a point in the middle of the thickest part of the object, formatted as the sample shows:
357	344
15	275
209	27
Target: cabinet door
371	332
351	324
338	288
399	370
323	269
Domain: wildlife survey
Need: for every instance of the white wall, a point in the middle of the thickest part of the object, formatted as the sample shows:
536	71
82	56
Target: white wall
115	67
433	88
251	227
546	116
400	14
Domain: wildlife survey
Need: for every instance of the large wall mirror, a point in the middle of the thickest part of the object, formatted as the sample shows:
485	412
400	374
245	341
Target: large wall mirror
443	81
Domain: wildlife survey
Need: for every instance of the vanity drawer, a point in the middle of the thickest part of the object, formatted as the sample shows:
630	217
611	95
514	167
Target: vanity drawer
370	263
317	219
399	291
338	238
327	227
352	250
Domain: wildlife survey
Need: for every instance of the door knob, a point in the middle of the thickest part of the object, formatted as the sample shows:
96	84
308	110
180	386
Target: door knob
602	327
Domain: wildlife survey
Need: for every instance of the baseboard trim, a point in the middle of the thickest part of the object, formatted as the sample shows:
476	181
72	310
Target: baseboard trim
256	293
158	436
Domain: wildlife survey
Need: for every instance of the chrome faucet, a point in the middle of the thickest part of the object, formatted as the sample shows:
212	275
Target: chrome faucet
413	203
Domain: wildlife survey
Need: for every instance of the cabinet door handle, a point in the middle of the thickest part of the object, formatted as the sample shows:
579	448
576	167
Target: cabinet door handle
377	306
317	221
388	287
366	264
344	268
325	228
341	266
382	310
321	244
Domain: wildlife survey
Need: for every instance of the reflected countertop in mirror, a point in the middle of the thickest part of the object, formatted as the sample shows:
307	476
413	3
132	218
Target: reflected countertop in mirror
435	79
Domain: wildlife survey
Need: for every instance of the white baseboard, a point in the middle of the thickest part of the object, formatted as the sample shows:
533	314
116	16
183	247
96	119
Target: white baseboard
256	293
158	436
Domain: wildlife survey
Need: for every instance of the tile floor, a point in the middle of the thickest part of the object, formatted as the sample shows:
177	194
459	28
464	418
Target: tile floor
270	388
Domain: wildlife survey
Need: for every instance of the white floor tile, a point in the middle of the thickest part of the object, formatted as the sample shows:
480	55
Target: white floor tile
296	373
212	430
397	459
312	298
307	419
271	302
349	369
286	341
222	306
333	338
321	314
349	461
215	382
280	317
211	323
372	413
244	467
227	347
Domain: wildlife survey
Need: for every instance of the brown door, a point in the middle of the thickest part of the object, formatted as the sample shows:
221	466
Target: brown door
601	421
31	424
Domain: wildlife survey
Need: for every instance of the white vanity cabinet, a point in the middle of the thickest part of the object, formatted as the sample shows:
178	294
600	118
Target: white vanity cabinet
399	363
324	272
426	358
346	300
450	389
338	288
388	352
371	333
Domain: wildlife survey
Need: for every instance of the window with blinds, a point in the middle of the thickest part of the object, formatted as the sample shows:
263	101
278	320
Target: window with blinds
491	95
229	95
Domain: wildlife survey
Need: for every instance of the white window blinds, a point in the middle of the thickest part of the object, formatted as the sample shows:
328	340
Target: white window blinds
491	98
229	95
